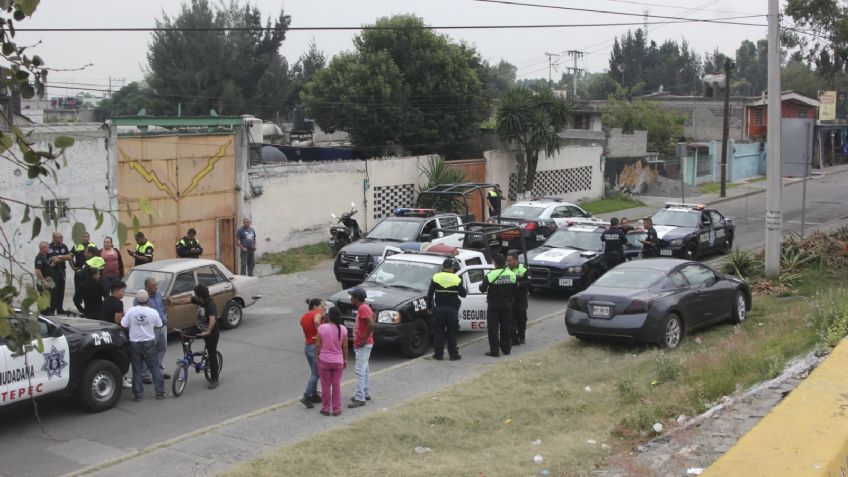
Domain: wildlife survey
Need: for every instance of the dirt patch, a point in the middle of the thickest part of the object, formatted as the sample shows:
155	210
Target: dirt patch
663	187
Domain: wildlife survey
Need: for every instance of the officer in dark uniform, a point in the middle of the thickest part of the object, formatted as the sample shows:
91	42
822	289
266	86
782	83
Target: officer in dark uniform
443	301
42	268
144	249
82	271
500	287
494	198
614	240
519	307
79	251
58	254
650	246
188	246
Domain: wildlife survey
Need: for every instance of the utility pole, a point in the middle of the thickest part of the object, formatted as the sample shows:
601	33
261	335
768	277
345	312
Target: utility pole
550	67
725	132
774	179
574	54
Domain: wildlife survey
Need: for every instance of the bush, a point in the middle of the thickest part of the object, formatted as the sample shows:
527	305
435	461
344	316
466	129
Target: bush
668	368
742	264
830	320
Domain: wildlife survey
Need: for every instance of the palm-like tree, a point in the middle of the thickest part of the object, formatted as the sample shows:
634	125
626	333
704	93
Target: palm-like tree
531	120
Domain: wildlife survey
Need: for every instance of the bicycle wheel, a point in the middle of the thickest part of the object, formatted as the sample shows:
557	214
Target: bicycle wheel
179	379
208	373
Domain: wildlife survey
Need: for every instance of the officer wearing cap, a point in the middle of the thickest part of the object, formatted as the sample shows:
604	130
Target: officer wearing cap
614	240
443	301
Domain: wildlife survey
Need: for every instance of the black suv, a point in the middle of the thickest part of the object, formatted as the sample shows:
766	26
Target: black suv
355	261
689	231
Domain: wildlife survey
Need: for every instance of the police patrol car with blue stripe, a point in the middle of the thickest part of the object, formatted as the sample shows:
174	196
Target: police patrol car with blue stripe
569	260
689	231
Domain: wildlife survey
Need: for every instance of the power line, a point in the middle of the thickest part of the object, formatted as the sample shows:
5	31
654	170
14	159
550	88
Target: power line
678	7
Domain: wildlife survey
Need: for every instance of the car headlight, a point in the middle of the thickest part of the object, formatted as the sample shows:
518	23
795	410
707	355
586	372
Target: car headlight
388	316
676	243
574	269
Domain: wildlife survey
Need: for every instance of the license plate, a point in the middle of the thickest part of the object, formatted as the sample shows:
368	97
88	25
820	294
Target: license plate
355	267
505	243
665	252
600	311
566	282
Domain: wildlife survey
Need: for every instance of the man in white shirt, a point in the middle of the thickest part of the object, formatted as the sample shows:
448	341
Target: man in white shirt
141	321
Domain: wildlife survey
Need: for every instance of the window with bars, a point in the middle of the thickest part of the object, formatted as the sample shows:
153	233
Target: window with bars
758	117
57	209
802	113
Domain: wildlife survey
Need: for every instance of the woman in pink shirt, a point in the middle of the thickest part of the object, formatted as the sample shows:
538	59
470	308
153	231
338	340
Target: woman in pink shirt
331	351
114	268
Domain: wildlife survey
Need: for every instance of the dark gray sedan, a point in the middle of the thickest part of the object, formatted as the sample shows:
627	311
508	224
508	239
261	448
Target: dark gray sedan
656	301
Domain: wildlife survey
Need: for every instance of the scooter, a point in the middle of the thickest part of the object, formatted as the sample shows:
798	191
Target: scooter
346	231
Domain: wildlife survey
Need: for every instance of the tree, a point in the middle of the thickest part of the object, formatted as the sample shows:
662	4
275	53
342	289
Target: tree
531	120
233	71
128	101
304	70
799	77
674	67
827	48
600	86
403	87
663	127
499	78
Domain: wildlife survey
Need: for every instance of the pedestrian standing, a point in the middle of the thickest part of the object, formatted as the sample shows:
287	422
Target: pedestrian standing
247	245
78	251
494	198
309	322
207	325
43	272
157	302
141	320
113	268
112	309
88	296
499	286
58	255
331	353
144	250
613	239
443	302
522	290
363	343
188	246
650	246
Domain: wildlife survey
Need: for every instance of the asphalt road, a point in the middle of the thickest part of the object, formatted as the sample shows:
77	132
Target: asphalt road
264	363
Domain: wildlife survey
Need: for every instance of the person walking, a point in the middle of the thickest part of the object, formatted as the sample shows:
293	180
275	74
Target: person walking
331	354
58	255
207	325
613	239
522	290
144	250
494	198
157	302
247	245
309	322
650	245
499	286
113	267
88	296
141	320
363	343
188	246
443	302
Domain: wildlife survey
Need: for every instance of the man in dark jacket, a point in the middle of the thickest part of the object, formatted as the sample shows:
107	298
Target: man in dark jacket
188	246
519	307
614	239
499	286
88	297
443	302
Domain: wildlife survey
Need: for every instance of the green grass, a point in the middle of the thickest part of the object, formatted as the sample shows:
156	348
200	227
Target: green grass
714	187
298	259
611	204
757	179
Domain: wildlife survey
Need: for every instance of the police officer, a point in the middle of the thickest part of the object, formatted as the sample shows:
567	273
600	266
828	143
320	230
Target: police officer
82	270
144	249
79	251
494	199
614	240
188	246
519	307
500	286
443	301
650	246
57	255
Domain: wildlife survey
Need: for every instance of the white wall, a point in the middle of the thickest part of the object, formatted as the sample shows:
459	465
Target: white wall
87	179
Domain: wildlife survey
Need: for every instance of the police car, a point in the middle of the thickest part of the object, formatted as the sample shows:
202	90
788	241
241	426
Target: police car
689	231
397	292
80	356
539	218
569	260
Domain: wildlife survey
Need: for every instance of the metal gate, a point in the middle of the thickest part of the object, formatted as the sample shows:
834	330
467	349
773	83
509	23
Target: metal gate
796	146
189	181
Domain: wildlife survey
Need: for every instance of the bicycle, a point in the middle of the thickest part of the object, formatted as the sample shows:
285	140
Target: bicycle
189	360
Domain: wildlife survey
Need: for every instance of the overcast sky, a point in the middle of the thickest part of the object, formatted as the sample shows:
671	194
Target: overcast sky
122	55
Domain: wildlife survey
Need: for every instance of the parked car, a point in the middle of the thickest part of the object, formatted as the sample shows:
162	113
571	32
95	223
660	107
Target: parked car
656	301
539	218
80	356
691	230
569	260
178	276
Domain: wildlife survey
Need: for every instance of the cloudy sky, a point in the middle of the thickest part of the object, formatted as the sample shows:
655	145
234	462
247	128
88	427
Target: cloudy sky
122	55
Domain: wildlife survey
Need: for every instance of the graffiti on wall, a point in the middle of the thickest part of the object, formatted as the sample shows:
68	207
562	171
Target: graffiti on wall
631	175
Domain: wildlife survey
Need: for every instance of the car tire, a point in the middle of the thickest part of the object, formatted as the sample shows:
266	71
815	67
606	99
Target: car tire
692	251
179	380
417	341
728	245
100	386
740	307
208	372
672	332
232	316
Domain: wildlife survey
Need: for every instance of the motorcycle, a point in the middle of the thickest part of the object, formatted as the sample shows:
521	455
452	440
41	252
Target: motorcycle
345	231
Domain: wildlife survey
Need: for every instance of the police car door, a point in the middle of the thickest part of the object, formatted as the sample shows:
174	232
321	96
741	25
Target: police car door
37	372
472	311
706	234
719	228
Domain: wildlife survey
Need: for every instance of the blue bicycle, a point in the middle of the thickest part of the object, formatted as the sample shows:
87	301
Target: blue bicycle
199	360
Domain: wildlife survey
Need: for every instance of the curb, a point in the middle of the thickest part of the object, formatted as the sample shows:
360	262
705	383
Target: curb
755	192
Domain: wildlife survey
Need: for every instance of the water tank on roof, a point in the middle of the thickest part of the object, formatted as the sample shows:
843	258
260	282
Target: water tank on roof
271	155
299	122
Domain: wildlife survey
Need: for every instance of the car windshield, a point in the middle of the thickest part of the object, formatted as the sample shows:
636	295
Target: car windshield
633	239
575	239
135	280
402	273
630	278
675	218
400	230
522	212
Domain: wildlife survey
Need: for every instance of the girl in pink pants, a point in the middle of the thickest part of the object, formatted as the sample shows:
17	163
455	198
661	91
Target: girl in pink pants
331	351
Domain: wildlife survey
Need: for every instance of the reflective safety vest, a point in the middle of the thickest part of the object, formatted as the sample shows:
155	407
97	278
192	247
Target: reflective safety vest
79	248
520	271
445	290
140	249
96	263
447	281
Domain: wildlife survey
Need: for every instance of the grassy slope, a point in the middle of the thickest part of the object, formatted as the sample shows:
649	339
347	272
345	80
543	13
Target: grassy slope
610	204
298	259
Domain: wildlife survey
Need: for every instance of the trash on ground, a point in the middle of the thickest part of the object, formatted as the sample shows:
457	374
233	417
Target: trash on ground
537	442
658	428
694	471
508	420
588	389
591	441
423	450
538	458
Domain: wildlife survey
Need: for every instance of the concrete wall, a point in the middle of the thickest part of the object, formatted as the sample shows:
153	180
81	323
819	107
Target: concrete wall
89	178
745	161
627	145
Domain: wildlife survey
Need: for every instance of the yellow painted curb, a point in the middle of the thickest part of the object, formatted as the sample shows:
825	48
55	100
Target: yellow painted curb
805	435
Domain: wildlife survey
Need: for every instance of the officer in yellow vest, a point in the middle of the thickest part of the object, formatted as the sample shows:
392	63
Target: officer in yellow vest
519	306
443	302
79	251
494	199
188	246
500	287
143	252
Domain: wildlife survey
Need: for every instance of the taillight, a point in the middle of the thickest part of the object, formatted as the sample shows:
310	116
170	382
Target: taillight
529	226
637	306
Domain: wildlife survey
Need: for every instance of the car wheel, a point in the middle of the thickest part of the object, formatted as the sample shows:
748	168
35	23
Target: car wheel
692	251
100	387
672	332
417	341
232	315
740	307
728	244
